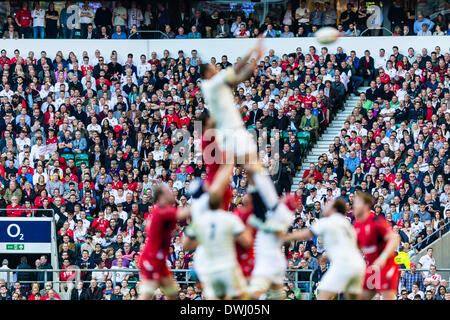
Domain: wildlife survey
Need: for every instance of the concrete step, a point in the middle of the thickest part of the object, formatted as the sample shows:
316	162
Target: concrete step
327	138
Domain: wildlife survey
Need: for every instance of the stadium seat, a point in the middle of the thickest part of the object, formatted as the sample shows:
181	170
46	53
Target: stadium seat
67	156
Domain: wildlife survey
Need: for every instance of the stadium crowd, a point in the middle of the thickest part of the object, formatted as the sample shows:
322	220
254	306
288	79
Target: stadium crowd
87	139
133	20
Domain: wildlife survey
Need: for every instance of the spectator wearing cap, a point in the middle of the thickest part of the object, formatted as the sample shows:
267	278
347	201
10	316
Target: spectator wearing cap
412	277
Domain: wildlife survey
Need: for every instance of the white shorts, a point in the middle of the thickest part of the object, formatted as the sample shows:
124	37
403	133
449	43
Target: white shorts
270	268
230	283
343	278
239	141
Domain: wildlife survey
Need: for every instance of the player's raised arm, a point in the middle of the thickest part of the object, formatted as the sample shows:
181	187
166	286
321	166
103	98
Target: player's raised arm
221	181
241	64
299	235
183	213
243	70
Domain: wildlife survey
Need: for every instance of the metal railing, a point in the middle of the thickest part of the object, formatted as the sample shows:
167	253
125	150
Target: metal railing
379	28
33	211
437	233
185	279
149	31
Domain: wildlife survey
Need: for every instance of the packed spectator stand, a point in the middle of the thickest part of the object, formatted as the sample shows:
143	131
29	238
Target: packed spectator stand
87	139
177	19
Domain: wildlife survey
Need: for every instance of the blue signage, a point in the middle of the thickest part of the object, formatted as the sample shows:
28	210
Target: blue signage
20	231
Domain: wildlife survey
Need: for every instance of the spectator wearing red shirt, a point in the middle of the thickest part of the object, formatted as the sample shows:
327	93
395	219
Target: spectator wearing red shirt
14	205
4	59
100	223
23	20
308	100
312	174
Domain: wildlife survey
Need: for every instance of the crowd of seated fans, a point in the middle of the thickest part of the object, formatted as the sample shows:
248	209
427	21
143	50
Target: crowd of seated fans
134	20
86	139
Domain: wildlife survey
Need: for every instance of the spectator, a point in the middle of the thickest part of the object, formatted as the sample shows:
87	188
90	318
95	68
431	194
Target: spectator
103	17
51	21
118	34
119	14
302	15
135	16
421	20
67	27
286	32
38	16
11	33
86	18
194	34
425	31
222	29
329	16
316	16
181	34
397	16
412	278
348	17
168	33
23	20
269	32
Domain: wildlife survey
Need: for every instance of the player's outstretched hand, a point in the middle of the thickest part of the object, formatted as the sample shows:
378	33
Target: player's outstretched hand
259	48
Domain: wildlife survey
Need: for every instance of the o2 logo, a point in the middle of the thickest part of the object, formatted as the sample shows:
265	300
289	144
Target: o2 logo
374	21
73	21
13	231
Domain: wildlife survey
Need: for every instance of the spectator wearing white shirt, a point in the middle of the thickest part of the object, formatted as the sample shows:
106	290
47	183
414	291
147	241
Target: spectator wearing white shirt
275	68
415	291
135	16
158	154
119	276
38	16
390	70
433	278
36	149
427	260
86	18
381	60
7	92
143	67
94	126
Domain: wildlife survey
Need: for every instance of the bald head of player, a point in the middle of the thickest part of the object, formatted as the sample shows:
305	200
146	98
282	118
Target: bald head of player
163	196
362	205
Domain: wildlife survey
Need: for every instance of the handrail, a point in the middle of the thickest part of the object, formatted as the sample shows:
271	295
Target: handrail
415	247
33	210
78	271
379	28
150	31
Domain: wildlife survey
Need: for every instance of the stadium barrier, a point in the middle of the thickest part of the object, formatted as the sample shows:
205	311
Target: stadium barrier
33	211
183	277
436	235
208	48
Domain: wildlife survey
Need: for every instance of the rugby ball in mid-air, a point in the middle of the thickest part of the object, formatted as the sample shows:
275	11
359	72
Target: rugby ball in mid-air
327	35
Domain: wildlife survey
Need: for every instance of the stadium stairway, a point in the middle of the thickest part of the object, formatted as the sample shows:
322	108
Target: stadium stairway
327	137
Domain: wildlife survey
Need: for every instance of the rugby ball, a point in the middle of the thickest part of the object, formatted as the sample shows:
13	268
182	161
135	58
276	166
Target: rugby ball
327	35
